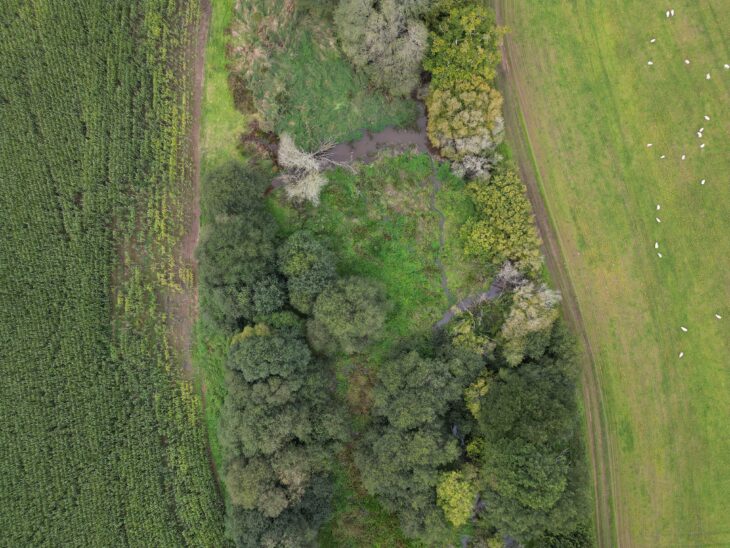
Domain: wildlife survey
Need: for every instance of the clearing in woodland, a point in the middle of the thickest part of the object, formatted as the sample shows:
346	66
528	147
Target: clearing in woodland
591	103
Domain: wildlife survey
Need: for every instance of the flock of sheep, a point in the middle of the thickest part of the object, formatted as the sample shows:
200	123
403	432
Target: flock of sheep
700	134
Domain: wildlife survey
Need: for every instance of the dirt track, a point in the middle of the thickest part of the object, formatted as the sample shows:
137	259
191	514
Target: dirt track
517	114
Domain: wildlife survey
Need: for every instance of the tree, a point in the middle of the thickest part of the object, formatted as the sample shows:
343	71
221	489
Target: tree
384	40
526	331
464	44
348	316
233	189
309	268
278	431
237	257
532	462
464	110
465	124
303	177
456	494
401	457
503	228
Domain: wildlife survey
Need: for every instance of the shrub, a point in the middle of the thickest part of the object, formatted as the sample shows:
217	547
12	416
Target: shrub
503	228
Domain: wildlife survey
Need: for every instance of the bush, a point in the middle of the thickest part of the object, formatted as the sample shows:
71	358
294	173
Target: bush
384	40
503	228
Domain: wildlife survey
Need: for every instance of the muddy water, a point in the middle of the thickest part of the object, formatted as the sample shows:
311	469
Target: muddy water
366	149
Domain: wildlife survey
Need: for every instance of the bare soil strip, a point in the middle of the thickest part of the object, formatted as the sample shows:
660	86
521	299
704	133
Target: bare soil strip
609	531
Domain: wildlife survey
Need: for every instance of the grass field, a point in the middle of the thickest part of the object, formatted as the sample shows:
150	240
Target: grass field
591	103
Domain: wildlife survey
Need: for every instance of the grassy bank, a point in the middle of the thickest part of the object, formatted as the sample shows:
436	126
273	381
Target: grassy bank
591	104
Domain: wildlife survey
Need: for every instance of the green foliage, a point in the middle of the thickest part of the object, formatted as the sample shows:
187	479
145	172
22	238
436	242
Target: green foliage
464	110
348	316
456	494
309	268
382	39
409	442
503	228
298	82
102	439
237	259
465	123
532	461
278	432
464	45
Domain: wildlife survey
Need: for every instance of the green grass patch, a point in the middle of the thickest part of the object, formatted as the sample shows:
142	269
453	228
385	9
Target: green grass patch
591	105
381	224
325	100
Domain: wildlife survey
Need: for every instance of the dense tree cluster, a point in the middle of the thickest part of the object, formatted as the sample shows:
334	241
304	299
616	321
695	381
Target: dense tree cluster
465	119
410	442
280	424
532	475
278	433
384	39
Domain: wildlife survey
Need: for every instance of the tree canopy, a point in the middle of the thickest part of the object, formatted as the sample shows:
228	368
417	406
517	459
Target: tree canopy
347	316
384	40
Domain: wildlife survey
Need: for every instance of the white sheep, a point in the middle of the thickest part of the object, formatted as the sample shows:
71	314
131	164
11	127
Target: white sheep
668	14
686	61
718	316
727	66
650	63
656	245
649	145
707	76
702	145
672	12
659	255
662	156
654	40
684	156
702	182
683	328
707	117
658	207
658	220
681	355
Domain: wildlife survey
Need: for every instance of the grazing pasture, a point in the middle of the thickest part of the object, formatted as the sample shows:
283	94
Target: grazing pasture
617	102
102	441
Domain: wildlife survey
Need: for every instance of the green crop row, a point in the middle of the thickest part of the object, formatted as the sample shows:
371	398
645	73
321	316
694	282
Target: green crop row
102	441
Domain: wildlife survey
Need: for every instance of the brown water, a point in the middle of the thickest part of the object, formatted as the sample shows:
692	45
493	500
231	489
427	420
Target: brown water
366	148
